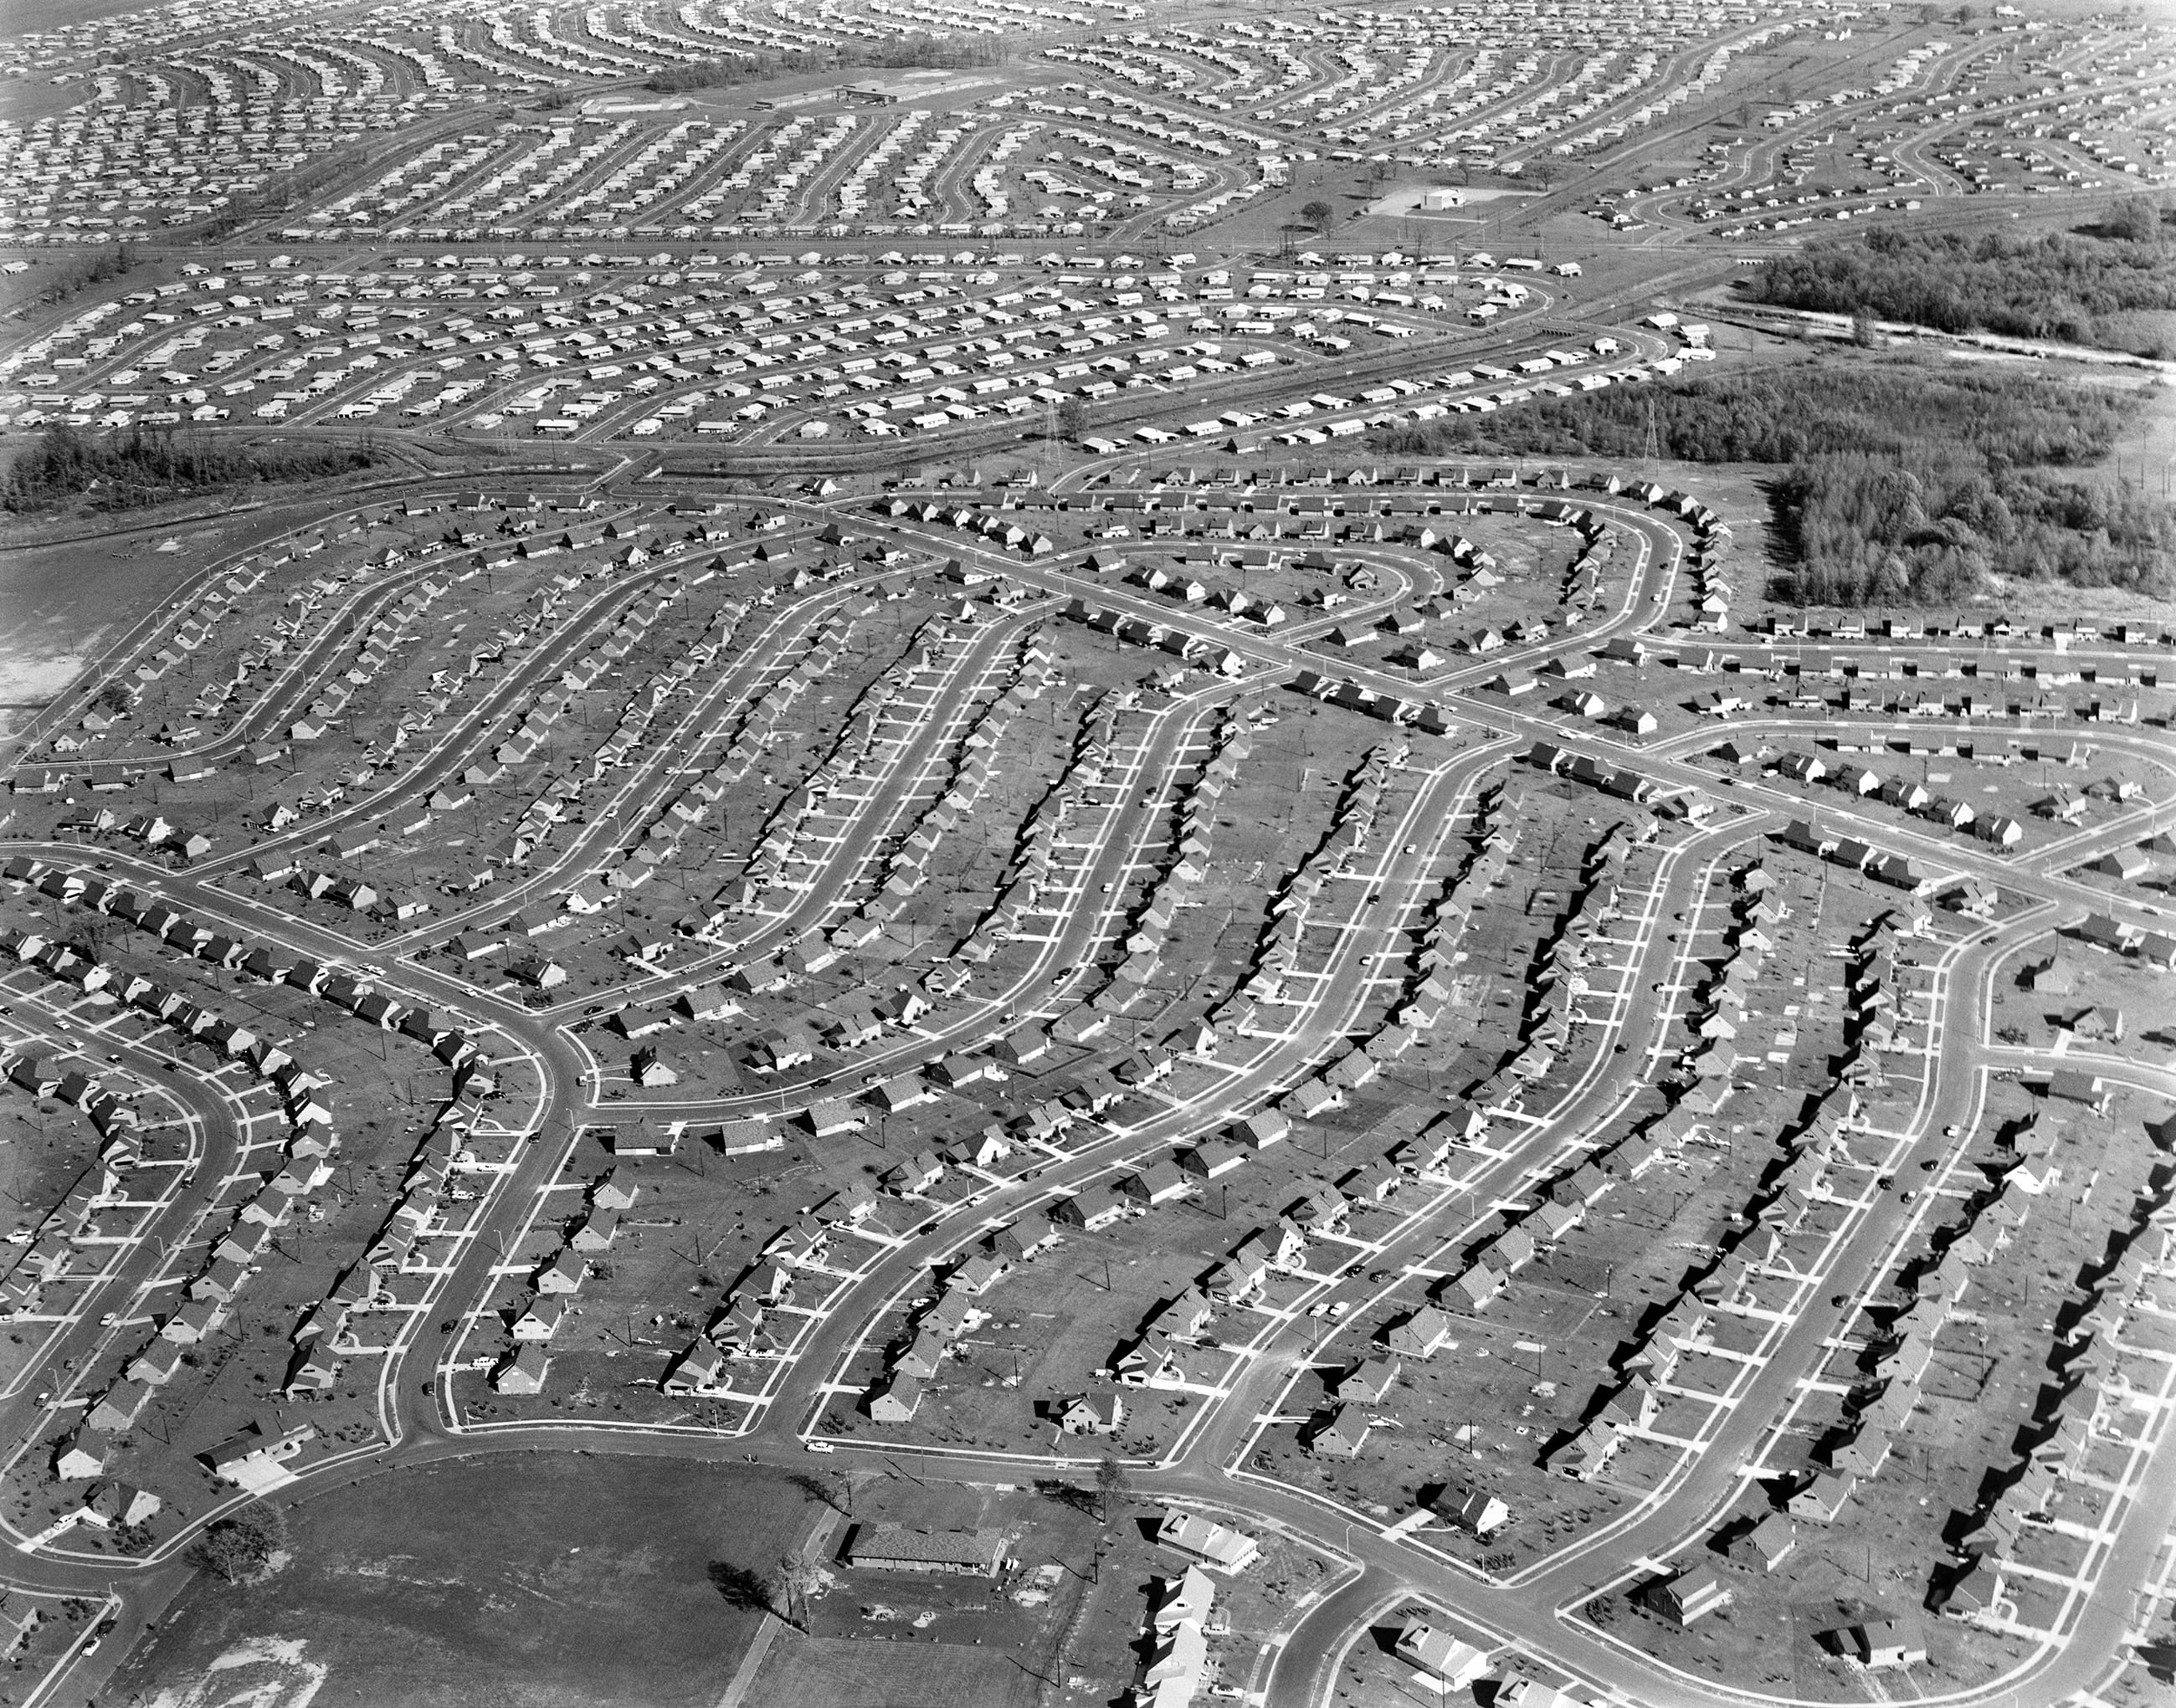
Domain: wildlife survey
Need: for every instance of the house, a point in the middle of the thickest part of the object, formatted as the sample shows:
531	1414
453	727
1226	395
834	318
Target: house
1097	1206
1977	1590
1446	1663
247	1456
117	1506
2070	1086
896	1401
830	1116
83	1453
1177	1665
1184	1600
1767	1544
1263	1128
1690	1595
117	1409
1820	1500
699	1368
523	1370
1882	1644
2097	1023
1209	1161
643	1137
979	1273
1160	1183
2051	977
918	1174
1587	1454
1087	1414
1337	1433
541	1320
1368	1380
1474	1511
1472	1287
1024	1238
1216	1546
1863	1455
563	1274
900	1547
1420	1335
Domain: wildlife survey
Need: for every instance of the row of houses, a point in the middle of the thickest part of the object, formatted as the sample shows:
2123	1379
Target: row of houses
1182	1613
210	1296
2123	1280
556	1282
905	863
49	1253
997	528
915	1358
1139	631
1779	1203
1183	865
1282	951
1035	867
870	736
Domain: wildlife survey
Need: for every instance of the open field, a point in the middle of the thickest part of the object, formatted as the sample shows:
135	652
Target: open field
599	1589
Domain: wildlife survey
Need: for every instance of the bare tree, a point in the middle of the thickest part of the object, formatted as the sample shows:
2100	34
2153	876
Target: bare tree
796	1577
1113	1487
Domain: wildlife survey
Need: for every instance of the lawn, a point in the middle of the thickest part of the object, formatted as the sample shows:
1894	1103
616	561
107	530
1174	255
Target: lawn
521	1581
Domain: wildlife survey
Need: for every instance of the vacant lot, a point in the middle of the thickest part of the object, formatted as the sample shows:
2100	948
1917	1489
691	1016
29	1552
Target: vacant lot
528	1581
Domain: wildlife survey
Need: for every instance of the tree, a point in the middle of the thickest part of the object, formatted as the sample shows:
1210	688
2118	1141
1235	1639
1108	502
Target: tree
1318	214
1113	1487
242	1546
2136	218
1543	171
1073	418
796	1577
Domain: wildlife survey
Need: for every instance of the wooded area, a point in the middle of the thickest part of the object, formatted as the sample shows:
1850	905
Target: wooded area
913	52
2078	290
127	470
1902	481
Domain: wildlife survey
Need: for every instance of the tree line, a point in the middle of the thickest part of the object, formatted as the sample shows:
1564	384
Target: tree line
1900	482
915	51
129	469
2080	289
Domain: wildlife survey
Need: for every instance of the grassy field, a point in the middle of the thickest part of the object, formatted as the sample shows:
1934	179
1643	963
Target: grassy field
549	1581
839	1672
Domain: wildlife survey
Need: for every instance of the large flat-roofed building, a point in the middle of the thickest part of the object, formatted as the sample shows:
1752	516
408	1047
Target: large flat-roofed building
900	1547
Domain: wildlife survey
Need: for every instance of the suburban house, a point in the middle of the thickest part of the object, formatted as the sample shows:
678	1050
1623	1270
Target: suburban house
1689	1595
1447	1664
1419	1335
1216	1546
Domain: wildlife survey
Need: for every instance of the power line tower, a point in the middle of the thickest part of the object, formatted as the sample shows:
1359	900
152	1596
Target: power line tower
1653	450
